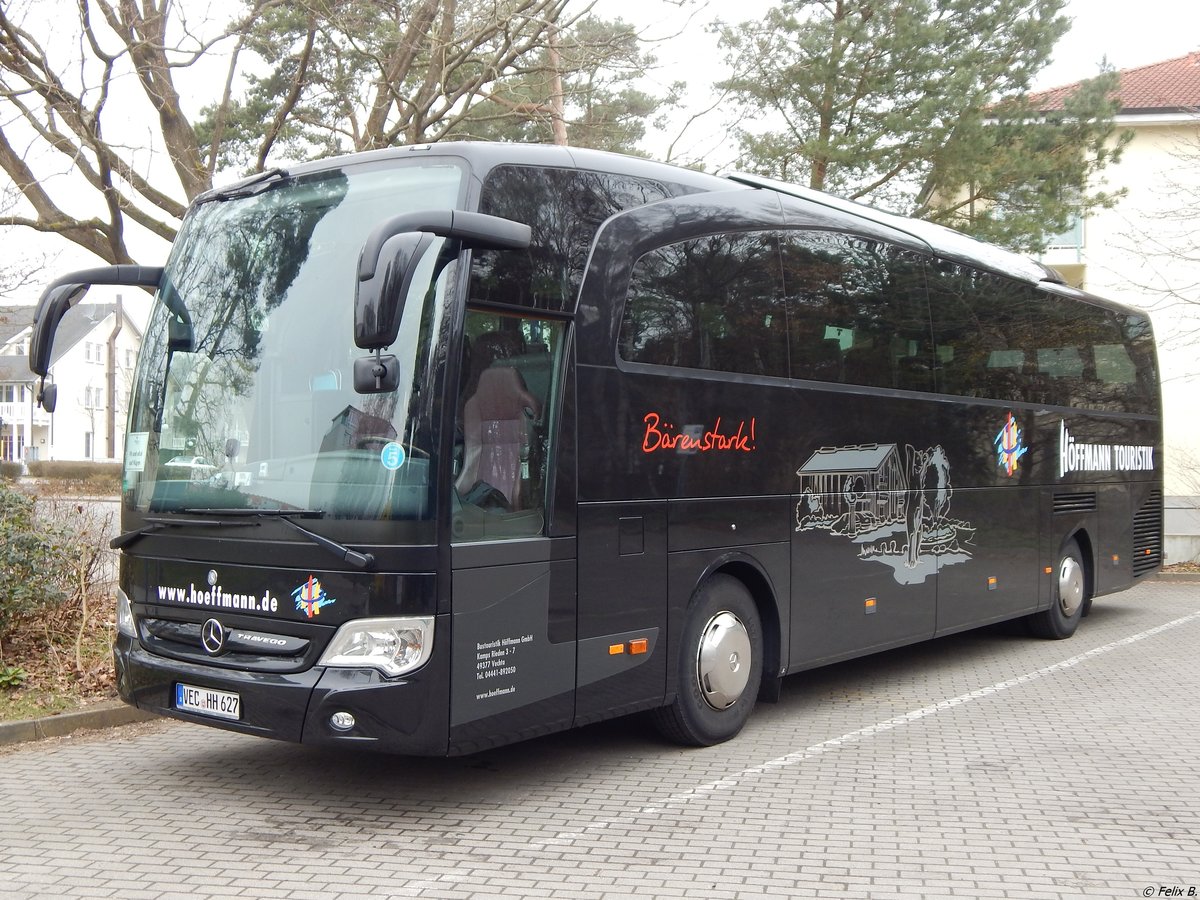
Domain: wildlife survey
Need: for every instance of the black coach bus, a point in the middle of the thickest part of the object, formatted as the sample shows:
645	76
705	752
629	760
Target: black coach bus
436	448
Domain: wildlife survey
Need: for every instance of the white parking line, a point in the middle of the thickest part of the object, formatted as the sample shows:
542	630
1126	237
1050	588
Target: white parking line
683	798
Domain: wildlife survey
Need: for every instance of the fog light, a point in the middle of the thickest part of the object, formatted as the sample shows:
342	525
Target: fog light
342	721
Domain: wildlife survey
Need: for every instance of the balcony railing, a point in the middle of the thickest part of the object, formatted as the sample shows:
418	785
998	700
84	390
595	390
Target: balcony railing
22	412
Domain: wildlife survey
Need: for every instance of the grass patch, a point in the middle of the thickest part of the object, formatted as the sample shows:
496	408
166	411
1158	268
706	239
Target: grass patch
24	704
67	658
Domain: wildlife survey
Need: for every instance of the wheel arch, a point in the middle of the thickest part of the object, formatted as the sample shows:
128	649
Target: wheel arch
758	582
1087	551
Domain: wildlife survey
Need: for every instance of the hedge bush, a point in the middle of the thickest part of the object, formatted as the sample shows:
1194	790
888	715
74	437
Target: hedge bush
32	556
10	471
67	470
78	477
56	596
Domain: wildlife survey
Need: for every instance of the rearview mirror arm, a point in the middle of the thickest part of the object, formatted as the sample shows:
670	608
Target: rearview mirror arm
474	230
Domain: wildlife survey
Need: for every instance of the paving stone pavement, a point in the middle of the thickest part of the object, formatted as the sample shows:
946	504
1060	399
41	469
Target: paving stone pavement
988	764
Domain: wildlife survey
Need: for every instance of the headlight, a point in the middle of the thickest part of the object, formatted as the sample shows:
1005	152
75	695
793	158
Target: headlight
393	646
125	623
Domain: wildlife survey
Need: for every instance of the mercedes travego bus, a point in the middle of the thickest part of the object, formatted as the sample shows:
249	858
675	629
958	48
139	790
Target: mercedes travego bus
487	441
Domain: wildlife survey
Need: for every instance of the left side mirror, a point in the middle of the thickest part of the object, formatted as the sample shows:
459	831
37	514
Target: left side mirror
59	297
53	305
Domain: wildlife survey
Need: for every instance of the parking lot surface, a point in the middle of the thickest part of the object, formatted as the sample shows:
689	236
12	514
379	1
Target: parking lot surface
987	764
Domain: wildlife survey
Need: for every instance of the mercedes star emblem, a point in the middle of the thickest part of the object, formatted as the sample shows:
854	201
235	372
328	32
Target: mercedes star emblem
212	635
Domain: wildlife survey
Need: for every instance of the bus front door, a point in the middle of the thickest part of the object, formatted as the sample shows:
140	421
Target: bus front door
513	625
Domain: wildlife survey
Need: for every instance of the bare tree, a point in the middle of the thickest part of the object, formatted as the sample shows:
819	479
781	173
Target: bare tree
56	105
1160	243
286	79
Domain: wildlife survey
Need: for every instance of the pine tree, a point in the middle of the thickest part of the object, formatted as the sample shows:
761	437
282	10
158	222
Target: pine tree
923	106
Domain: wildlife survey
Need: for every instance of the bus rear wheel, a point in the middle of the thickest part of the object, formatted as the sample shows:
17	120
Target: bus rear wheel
1068	600
719	667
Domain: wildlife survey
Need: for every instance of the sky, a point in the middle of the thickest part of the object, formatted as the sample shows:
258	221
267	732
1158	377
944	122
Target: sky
1127	34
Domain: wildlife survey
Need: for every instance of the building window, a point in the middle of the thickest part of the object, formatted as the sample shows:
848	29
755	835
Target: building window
1069	239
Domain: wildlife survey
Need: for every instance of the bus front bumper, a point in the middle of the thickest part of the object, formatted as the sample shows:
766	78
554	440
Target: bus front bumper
408	715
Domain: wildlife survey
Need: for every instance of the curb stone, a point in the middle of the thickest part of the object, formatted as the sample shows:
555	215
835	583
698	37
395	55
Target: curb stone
102	715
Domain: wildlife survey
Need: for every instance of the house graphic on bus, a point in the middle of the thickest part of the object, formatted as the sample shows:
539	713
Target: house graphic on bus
851	490
897	509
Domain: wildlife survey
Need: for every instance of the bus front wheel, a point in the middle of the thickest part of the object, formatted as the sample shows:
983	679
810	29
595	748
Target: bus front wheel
719	669
1068	597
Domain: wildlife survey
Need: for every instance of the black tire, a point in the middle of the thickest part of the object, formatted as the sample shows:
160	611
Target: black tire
1069	597
716	684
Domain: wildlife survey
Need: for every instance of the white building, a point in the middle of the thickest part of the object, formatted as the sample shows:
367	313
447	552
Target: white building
94	353
1146	251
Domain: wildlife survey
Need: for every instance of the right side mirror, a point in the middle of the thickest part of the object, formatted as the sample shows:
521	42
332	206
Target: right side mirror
392	253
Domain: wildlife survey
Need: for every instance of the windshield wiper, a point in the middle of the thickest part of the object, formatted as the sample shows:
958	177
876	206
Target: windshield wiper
341	551
356	559
157	524
247	187
252	512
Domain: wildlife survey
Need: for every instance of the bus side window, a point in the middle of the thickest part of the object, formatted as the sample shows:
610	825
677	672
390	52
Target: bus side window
711	303
858	311
983	330
1085	351
1136	336
564	208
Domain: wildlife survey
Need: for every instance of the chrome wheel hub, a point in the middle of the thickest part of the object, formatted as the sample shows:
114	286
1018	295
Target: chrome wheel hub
1070	586
723	660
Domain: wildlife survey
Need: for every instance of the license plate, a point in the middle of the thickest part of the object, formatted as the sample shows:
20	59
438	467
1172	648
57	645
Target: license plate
207	702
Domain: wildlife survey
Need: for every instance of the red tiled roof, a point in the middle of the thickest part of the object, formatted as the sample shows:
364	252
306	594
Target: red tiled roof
1172	85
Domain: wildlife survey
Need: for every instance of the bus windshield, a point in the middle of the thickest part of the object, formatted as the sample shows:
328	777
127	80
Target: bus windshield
244	394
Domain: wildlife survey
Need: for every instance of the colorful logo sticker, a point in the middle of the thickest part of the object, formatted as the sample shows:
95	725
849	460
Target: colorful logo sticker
310	597
1009	446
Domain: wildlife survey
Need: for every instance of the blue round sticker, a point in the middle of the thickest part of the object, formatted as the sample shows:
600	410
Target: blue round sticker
392	456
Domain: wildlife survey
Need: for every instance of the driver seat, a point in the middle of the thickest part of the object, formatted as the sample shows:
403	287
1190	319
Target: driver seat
497	430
